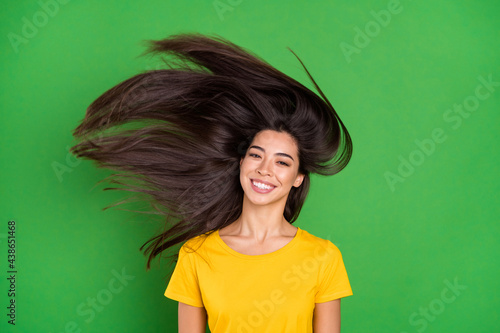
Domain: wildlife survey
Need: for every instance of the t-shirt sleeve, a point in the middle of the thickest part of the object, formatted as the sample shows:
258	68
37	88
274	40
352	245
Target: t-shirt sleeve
333	281
183	285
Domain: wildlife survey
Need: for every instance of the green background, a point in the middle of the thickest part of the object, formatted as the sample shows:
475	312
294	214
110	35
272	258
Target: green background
402	242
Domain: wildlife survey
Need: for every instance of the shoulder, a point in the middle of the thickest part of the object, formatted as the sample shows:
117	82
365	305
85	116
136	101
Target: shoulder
319	245
196	243
315	240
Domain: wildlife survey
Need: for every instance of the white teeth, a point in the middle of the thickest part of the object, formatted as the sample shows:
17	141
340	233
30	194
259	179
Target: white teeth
262	186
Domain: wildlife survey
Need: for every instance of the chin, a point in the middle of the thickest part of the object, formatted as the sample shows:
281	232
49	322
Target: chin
260	200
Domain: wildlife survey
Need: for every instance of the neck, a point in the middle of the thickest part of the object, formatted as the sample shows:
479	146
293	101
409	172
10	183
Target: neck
261	221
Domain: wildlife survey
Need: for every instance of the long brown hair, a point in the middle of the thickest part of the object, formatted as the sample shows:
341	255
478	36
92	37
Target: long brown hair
177	134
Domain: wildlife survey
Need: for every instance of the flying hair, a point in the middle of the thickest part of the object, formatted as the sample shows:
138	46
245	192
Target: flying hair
176	135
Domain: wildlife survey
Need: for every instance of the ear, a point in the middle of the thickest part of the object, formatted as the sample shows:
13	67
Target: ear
241	160
298	181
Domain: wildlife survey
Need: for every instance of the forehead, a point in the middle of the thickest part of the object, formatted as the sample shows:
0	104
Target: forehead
273	142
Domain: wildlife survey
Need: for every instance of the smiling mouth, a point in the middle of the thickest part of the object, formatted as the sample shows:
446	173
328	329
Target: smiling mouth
262	187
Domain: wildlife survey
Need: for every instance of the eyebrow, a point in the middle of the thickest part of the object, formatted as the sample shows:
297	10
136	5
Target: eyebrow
279	154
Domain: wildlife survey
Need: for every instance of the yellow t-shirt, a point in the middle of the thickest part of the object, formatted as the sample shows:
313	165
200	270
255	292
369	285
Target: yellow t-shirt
274	292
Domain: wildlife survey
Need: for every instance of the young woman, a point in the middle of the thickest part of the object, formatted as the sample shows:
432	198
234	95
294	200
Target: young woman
223	145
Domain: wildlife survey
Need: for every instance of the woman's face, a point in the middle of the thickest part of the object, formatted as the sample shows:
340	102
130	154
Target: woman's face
270	168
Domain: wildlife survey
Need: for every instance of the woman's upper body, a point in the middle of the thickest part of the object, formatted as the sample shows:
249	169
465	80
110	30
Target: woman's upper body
260	273
277	291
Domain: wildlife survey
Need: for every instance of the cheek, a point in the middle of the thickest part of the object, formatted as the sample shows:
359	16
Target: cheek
243	170
286	176
243	166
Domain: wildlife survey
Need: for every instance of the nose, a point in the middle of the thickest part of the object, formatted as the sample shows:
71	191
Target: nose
264	168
